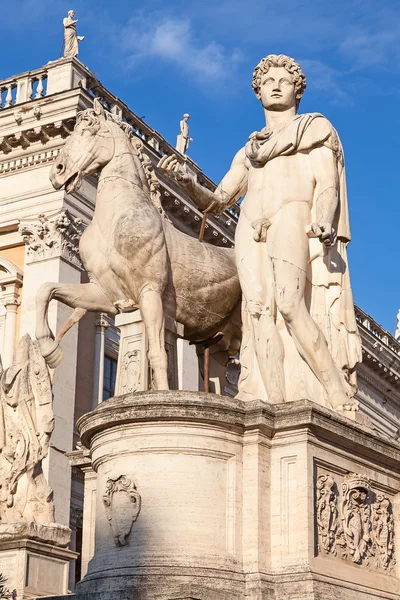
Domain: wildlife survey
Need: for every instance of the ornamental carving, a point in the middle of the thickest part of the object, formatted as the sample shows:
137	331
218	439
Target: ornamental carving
26	425
49	237
122	502
356	525
327	513
131	372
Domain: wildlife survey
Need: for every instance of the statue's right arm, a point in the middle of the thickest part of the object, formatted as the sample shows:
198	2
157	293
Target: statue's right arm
231	188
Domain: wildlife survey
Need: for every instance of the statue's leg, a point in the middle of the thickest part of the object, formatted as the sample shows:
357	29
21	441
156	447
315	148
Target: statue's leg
86	296
152	311
289	247
261	340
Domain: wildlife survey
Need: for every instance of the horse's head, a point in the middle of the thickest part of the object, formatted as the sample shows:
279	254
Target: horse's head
89	147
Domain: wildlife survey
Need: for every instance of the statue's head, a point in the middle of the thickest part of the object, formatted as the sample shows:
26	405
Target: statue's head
71	14
186	117
278	82
91	146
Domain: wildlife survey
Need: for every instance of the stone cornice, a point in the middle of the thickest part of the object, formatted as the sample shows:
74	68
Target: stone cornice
233	414
24	138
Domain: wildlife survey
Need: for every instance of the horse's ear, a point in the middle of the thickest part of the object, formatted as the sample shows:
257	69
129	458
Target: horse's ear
98	108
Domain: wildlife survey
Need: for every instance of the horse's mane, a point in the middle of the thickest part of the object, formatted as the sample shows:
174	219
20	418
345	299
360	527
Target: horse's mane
139	148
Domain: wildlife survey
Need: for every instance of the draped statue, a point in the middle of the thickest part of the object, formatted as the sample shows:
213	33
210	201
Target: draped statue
71	39
300	338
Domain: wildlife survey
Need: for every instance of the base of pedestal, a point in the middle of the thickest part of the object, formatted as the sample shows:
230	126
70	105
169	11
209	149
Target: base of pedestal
35	569
202	497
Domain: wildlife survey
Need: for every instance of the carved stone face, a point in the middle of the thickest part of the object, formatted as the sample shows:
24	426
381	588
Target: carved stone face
90	147
277	91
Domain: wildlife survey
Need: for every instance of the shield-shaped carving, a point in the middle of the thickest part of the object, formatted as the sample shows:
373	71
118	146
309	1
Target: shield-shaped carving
122	502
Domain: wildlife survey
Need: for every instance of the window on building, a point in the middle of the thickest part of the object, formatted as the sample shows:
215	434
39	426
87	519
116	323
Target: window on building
110	376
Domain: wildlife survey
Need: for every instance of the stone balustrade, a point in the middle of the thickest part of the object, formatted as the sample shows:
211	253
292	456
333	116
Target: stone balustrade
377	331
31	85
70	74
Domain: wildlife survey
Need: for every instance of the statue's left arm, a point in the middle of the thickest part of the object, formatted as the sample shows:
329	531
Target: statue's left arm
326	193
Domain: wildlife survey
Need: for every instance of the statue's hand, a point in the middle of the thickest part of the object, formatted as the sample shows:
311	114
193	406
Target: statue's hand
324	231
174	169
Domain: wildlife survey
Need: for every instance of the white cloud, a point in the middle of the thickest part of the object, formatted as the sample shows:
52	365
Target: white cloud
173	40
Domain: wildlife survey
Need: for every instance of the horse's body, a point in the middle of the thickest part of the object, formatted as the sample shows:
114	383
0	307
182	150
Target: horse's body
134	256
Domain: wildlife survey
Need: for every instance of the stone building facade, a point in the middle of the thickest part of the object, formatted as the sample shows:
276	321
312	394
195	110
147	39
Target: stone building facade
39	236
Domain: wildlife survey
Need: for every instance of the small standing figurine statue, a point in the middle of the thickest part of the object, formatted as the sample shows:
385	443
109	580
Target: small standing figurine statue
70	38
397	333
183	139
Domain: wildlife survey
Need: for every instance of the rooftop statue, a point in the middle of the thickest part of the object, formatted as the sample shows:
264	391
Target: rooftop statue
134	256
71	39
183	139
300	337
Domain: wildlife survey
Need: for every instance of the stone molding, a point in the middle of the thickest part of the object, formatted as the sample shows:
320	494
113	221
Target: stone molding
39	133
53	236
239	415
29	161
356	526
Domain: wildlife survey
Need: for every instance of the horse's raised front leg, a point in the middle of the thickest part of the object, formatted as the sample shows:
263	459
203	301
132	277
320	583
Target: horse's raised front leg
152	311
86	296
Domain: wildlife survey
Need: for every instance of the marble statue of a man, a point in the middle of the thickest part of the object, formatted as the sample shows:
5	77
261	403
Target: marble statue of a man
183	139
71	40
300	338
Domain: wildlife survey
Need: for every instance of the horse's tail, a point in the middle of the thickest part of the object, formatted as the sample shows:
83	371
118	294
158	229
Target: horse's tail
74	318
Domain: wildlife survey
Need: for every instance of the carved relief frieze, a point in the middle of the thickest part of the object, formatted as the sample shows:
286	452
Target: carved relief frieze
49	237
355	524
122	502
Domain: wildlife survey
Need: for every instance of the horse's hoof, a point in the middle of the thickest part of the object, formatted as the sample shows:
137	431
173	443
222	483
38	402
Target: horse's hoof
51	352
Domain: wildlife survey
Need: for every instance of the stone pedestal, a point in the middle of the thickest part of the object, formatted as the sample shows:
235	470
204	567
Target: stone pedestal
206	497
34	568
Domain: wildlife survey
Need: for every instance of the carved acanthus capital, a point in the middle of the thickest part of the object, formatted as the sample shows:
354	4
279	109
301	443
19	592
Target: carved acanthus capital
53	236
11	304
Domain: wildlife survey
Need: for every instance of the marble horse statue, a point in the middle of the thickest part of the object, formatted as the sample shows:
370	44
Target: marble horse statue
134	256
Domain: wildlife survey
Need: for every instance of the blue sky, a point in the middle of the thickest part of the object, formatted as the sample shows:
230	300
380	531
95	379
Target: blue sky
167	58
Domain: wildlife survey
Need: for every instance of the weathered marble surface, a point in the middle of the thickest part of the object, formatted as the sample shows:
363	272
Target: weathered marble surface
241	500
300	336
26	424
135	257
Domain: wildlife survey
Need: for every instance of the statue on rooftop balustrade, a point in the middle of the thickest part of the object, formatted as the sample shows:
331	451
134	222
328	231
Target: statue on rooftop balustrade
183	139
300	337
397	332
71	39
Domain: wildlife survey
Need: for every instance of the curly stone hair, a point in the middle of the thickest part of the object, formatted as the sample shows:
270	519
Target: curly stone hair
291	66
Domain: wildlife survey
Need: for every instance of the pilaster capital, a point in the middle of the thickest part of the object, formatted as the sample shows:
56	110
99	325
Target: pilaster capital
11	304
53	236
101	322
